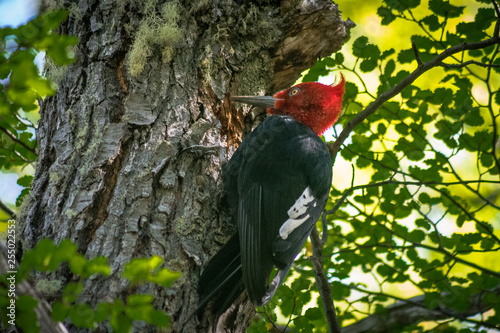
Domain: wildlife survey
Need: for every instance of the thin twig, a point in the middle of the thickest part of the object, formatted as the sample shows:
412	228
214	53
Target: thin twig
414	310
432	248
496	32
324	223
322	282
7	210
470	62
16	140
397	182
334	147
417	55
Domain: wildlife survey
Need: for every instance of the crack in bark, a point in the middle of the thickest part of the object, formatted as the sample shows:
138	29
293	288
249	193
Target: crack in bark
102	198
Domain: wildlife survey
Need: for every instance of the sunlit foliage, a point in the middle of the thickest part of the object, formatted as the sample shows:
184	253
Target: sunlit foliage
47	257
415	205
22	86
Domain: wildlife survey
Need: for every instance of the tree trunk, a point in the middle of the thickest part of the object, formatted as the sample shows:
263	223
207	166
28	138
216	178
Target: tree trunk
131	146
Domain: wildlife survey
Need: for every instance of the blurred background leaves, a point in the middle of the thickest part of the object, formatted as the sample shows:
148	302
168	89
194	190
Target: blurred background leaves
22	87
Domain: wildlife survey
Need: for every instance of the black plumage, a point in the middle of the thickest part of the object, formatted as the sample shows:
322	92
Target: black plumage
280	174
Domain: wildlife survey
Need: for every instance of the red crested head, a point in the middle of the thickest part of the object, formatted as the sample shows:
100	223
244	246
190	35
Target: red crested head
314	104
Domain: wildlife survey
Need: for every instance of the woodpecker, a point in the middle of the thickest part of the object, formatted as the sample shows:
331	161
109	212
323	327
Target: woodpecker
278	180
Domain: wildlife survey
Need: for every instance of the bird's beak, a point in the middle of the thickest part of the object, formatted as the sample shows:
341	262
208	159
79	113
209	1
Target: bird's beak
264	101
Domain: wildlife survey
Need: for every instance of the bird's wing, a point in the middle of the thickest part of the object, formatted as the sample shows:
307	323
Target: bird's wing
283	185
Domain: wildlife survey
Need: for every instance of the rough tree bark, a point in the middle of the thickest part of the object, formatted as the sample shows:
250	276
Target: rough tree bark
131	146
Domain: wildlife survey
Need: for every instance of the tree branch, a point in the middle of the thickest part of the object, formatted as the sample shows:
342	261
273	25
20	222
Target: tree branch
496	32
334	147
7	210
322	282
470	62
417	55
16	140
414	310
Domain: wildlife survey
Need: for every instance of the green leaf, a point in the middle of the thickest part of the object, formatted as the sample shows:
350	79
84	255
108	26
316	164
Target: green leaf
423	223
487	243
432	22
385	270
138	300
314	314
416	236
402	5
319	69
428	200
64	252
165	277
413	149
485	17
368	65
389	68
339	291
72	291
445	9
77	264
41	255
470	31
25	181
98	265
387	53
303	324
426	175
487	160
26	317
386	15
361	142
351	91
423	42
339	58
361	48
120	322
406	56
141	268
432	300
24	192
147	269
57	46
102	311
381	175
59	311
390	160
474	118
402	128
381	128
82	315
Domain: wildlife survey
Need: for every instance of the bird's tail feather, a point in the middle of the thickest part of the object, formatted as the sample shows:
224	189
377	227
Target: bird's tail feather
221	281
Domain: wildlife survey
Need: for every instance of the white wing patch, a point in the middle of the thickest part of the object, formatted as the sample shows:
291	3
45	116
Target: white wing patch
297	213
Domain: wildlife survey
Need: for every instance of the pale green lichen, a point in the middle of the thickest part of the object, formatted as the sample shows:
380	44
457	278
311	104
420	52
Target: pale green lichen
49	5
75	11
48	287
54	177
182	226
54	72
70	213
156	31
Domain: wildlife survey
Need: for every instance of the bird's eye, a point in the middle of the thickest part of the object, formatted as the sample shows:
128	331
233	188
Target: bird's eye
294	91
